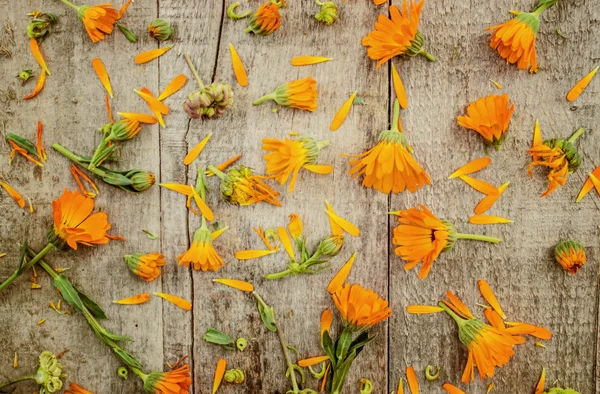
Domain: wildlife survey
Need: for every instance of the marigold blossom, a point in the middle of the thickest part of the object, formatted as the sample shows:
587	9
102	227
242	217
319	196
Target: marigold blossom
265	20
98	20
570	255
360	308
300	94
146	266
490	117
202	254
176	381
239	186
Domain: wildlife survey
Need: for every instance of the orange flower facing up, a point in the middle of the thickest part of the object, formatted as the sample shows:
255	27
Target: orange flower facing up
202	253
360	308
176	381
398	35
558	155
300	94
98	20
570	255
422	237
490	117
286	158
266	19
389	166
239	186
74	222
146	266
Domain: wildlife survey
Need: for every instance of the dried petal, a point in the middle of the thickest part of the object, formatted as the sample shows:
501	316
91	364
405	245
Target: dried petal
487	202
37	54
423	309
39	85
413	382
14	194
480	186
219	373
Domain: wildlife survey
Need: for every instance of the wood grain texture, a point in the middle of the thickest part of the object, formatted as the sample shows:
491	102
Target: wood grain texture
521	270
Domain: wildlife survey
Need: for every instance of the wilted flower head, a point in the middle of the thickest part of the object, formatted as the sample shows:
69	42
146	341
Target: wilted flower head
98	20
160	29
360	308
146	266
240	186
176	381
49	373
265	20
328	13
300	94
202	254
570	255
210	102
490	117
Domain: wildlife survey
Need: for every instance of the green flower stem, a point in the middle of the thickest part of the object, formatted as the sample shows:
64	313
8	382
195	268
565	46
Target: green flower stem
288	360
193	69
70	4
270	96
395	116
27	266
576	135
231	12
322	144
77	159
478	237
459	320
22	379
428	55
217	172
201	184
278	275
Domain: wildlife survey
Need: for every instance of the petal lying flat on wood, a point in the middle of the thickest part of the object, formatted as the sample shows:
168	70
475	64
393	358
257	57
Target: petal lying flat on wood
489	388
413	382
541	384
252	254
537	135
309	362
238	67
179	188
490	297
451	389
580	86
195	152
285	241
37	54
177	301
485	219
150	55
308	60
494	318
533	330
102	74
480	186
173	87
342	113
236	284
400	389
423	309
204	208
134	300
589	184
338	280
323	169
343	223
39	147
326	319
14	194
152	101
39	85
471	167
336	229
219	373
487	202
142	118
399	88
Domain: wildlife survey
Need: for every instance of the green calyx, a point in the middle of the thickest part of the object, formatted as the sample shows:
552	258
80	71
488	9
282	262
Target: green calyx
366	386
160	30
569	151
469	330
313	147
567	246
430	375
203	234
452	235
133	261
328	13
56	240
557	390
394	135
416	47
530	19
151	380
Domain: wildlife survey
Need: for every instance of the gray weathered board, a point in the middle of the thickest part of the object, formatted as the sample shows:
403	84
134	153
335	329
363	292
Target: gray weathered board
530	285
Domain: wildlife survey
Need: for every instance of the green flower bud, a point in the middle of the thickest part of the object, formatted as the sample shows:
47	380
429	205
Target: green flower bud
331	245
124	129
25	75
328	13
160	30
142	180
235	376
241	344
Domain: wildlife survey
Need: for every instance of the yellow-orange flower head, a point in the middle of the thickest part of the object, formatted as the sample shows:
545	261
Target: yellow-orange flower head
146	266
515	40
265	20
360	308
202	254
389	167
397	35
176	381
490	117
98	20
570	255
300	94
74	222
287	157
241	187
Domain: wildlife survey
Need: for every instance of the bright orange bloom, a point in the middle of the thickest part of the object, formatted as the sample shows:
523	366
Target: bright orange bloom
360	308
146	266
74	388
398	35
98	20
515	40
300	94
265	20
490	117
74	222
389	167
421	237
202	253
177	381
288	157
570	255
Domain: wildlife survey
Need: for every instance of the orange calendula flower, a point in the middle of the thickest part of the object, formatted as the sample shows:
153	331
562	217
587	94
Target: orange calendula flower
558	155
74	222
175	300
300	94
152	54
266	19
422	237
74	388
13	194
239	186
398	34
389	166
202	254
570	255
580	86
146	266
286	158
134	300
490	117
236	284
360	308
98	20
176	381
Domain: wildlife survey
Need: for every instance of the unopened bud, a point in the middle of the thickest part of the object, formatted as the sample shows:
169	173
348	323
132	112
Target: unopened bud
212	101
331	245
25	75
235	376
160	30
141	180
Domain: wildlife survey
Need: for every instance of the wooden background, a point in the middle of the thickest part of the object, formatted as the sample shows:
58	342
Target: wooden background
528	282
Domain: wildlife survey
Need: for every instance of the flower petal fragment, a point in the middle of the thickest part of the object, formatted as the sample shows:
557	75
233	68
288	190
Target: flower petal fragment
399	88
195	152
14	194
423	309
323	169
471	167
152	54
204	208
541	384
285	241
413	382
102	74
219	373
580	86
490	297
338	280
308	60
39	85
182	189
152	101
342	113
224	165
344	224
134	300
326	319
588	185
451	389
216	234
37	54
336	229
480	186
486	219
142	118
177	301
309	362
236	284
173	87
487	202
252	254
238	67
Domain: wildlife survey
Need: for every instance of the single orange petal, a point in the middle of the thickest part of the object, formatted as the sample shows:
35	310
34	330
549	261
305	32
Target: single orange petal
541	384
14	194
526	328
336	229
152	54
216	234
490	297
596	182
399	88
152	101
285	241
177	301
142	118
134	300
342	113
471	167
219	373
326	319
86	178
173	87
308	60
581	85
451	389
413	382
236	284
400	389
206	211
489	388
37	54
323	169
179	188
39	147
537	135
252	254
224	165
108	109
588	185
195	152
480	186
343	223
39	85
123	9
423	309
487	202
100	70
338	280
238	67
309	362
486	219
324	381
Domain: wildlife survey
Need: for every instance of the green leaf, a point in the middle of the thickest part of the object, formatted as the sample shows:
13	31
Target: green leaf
22	143
115	337
219	338
360	342
149	234
127	358
359	101
268	316
68	292
92	306
328	347
343	344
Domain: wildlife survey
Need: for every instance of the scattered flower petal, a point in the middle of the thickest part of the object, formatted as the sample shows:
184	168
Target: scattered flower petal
39	85
580	86
238	67
308	60
236	284
309	362
399	88
37	54
487	202
150	55
490	297
413	382
219	373
173	87
252	254
471	167
485	219
134	300
480	186
195	152
178	301
343	223
100	70
451	389
342	113
338	280
423	309
14	194
541	384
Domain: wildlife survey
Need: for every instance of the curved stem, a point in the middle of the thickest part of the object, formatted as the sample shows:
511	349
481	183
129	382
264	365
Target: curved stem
576	135
17	380
191	65
217	172
27	266
70	4
322	144
428	55
278	275
395	116
459	320
264	98
478	237
288	360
